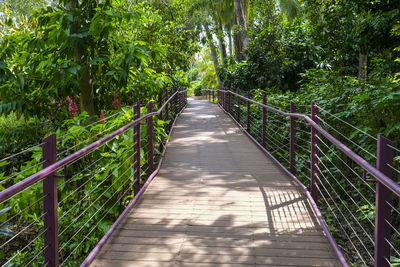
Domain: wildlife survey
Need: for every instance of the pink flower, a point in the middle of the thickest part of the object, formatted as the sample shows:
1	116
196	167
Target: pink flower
116	103
73	110
102	120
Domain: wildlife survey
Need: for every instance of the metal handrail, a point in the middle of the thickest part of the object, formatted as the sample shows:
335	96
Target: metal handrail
34	178
381	177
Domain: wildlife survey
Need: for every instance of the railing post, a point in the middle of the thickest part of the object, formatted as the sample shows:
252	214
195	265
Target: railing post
176	102
209	95
314	151
292	159
223	100
230	101
213	95
136	150
248	112
383	201
150	147
50	203
238	107
181	95
264	123
167	111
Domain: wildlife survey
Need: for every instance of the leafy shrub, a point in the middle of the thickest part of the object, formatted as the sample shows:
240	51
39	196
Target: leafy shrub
94	191
18	132
198	90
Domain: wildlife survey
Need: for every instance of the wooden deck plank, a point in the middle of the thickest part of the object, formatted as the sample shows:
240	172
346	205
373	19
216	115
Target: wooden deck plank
218	201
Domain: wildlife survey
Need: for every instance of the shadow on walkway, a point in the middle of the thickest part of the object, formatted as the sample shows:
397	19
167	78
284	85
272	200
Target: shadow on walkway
218	201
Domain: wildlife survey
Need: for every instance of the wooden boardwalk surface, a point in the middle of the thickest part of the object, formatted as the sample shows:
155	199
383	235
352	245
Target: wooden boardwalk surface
218	201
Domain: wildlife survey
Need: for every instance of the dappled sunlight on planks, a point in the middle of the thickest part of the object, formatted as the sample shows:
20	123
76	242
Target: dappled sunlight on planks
218	201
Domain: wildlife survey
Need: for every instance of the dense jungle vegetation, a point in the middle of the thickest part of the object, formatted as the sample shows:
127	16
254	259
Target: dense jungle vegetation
75	68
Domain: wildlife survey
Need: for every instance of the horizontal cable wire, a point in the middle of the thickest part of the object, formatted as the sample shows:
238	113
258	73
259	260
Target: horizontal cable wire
117	191
278	148
80	158
86	195
83	198
26	227
397	231
345	205
276	129
394	148
345	122
76	175
393	248
93	176
331	150
30	243
393	168
345	191
287	145
85	141
302	131
95	227
304	140
305	149
276	133
345	137
20	212
87	126
22	152
344	176
21	172
37	255
340	224
393	208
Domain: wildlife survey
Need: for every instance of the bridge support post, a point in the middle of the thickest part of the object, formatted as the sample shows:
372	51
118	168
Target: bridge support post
182	100
292	154
223	100
50	203
238	105
213	95
248	113
314	151
231	102
264	123
383	202
150	147
136	150
176	107
228	102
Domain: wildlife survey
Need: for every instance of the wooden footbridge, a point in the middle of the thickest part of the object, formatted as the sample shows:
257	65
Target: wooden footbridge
218	200
218	195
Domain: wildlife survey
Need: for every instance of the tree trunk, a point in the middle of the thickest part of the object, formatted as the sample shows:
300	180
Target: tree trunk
213	54
86	87
238	43
216	64
362	67
85	80
241	22
230	42
222	47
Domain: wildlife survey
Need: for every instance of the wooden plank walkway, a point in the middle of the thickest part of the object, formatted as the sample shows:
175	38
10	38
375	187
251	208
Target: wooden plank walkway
218	201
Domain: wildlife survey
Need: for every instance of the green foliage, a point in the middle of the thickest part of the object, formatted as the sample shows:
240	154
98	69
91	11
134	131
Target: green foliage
19	132
4	231
96	46
90	194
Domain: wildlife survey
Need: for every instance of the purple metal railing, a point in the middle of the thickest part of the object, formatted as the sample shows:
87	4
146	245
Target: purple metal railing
171	107
385	186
